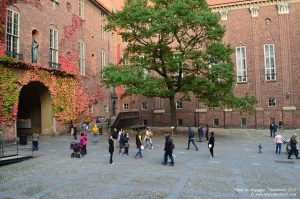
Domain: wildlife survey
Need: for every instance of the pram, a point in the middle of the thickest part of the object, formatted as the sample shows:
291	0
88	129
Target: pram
76	150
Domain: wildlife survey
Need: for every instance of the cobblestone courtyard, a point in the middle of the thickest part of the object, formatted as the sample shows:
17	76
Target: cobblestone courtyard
237	171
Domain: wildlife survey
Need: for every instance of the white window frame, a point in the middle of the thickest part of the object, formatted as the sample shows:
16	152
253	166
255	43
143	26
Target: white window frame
272	102
102	31
82	58
81	8
13	36
102	62
125	106
270	64
179	105
241	66
53	46
144	105
176	55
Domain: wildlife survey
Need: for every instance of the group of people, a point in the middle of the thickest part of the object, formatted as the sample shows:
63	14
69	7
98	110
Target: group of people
274	127
123	138
210	140
291	145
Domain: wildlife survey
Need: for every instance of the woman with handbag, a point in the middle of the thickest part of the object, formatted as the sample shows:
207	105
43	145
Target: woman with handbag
211	144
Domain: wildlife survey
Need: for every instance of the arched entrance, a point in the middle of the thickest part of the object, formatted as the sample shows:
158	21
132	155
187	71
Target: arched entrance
35	110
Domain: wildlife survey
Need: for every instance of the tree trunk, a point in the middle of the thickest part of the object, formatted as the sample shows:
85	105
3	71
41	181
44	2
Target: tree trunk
173	112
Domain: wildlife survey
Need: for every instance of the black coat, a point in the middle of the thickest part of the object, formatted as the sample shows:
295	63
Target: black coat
212	141
169	145
138	141
111	145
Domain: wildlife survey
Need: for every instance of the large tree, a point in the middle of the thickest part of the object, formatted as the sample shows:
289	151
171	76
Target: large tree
175	49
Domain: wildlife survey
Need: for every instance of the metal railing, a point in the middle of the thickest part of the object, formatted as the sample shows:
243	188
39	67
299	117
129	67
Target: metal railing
9	148
15	55
54	65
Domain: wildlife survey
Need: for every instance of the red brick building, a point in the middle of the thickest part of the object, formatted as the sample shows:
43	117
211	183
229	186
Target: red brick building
61	42
265	37
68	36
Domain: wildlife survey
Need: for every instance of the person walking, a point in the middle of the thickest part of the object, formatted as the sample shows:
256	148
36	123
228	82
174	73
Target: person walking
200	133
95	131
111	149
139	142
169	147
275	128
293	144
278	141
83	143
71	127
191	135
271	128
206	132
122	142
35	141
126	144
148	138
211	144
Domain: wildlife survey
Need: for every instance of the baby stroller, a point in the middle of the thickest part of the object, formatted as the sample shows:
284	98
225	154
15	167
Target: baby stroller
76	150
287	147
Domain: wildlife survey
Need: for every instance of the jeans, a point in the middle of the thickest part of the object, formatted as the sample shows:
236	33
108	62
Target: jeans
139	153
200	137
121	146
193	142
148	142
167	153
278	148
35	145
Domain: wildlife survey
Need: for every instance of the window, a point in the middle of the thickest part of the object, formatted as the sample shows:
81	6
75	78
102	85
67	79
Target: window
102	62
91	109
12	34
125	106
179	105
141	63
216	122
105	108
81	8
145	123
103	15
53	48
270	70
102	31
272	119
144	106
56	1
81	58
179	122
177	60
241	64
272	102
244	122
125	60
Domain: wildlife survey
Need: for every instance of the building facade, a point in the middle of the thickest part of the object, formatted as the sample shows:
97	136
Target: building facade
59	48
265	37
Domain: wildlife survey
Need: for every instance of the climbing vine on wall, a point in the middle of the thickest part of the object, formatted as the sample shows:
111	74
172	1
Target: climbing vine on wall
9	95
69	102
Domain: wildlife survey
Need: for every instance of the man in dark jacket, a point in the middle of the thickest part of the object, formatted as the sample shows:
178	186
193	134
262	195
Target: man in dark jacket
169	146
191	135
293	144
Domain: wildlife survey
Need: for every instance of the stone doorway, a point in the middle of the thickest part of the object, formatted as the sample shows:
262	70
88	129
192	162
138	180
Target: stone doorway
35	110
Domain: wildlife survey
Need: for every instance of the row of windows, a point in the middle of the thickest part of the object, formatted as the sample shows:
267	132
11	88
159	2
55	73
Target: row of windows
179	104
216	122
13	50
269	60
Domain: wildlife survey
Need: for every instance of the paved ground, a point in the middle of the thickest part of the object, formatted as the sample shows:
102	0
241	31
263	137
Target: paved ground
237	171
